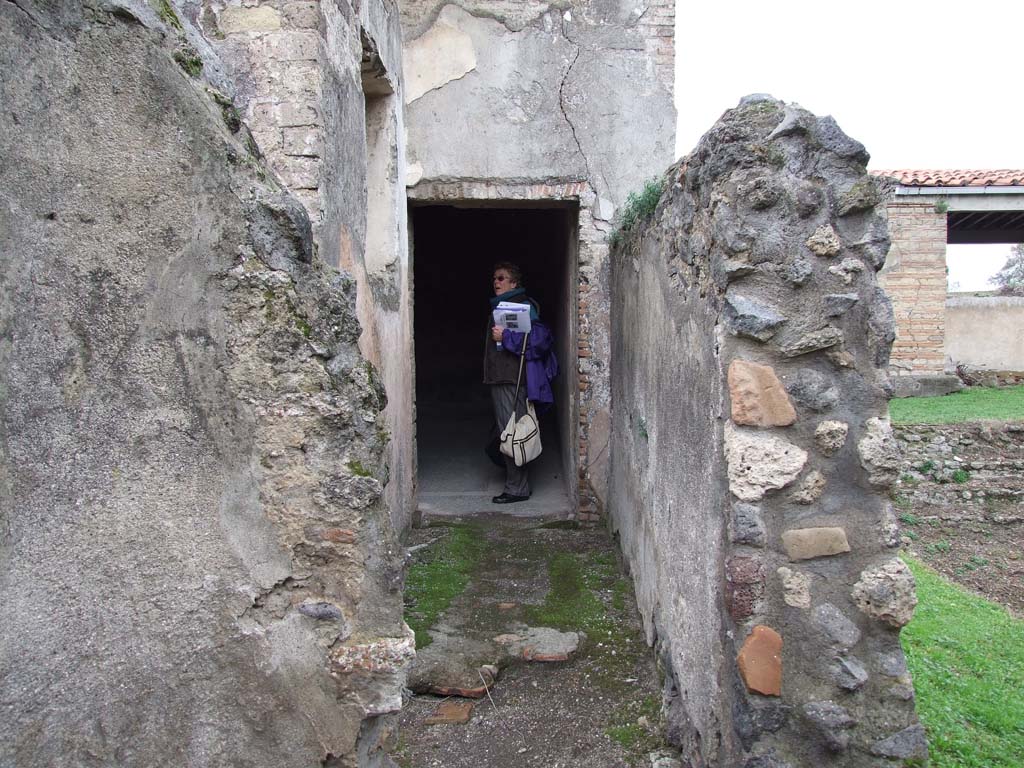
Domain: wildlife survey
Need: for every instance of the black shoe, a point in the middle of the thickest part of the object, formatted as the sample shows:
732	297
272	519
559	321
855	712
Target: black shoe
508	498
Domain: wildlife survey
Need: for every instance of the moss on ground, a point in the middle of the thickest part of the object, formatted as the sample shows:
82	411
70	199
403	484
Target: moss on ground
433	583
636	726
586	591
589	592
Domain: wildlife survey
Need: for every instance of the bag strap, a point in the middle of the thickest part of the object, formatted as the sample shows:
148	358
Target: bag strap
522	358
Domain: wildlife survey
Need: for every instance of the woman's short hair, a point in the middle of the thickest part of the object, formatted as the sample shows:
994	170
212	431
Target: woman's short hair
515	274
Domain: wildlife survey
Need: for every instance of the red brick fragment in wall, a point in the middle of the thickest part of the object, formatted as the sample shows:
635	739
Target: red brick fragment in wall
757	396
760	661
744	585
338	535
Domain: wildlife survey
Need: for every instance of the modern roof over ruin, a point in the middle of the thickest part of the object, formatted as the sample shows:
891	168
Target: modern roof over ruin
981	206
955	178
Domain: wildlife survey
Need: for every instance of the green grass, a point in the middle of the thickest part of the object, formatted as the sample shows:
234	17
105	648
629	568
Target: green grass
966	655
1003	403
431	586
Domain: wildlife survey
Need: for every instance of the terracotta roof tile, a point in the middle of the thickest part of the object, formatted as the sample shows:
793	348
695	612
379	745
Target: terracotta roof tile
956	178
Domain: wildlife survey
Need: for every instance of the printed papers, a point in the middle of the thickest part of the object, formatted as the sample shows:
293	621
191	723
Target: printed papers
515	317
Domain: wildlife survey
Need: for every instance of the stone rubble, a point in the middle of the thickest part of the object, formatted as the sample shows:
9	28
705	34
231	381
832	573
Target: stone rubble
759	463
887	593
767	241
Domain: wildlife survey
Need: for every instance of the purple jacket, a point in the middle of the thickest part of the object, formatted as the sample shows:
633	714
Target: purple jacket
541	365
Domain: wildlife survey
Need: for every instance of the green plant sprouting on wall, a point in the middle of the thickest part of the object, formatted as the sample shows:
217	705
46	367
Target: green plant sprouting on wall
189	60
167	14
638	206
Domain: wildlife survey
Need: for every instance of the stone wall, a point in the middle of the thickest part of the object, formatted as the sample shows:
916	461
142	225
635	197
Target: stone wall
566	100
196	563
950	467
319	85
914	277
985	332
751	452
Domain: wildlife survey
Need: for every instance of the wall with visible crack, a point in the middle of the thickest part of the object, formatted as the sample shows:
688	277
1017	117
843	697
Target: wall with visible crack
752	454
197	564
539	96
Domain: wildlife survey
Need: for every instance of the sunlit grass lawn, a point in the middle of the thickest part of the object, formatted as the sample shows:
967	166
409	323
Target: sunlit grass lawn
1003	403
966	655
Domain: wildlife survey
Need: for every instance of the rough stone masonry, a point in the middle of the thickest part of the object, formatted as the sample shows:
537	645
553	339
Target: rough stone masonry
751	450
196	566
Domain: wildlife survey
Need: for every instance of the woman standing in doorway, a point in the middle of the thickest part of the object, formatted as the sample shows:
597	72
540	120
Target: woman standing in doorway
502	349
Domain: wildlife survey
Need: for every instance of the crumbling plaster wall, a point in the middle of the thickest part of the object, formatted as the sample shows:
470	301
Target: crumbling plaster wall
320	86
751	450
196	563
546	101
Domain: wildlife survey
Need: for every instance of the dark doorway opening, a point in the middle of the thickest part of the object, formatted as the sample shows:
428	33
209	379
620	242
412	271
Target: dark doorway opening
454	249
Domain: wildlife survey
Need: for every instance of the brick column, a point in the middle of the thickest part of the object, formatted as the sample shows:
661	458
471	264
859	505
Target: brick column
915	279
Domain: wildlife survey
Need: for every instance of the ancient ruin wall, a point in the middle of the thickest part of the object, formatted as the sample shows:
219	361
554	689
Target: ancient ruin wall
320	86
565	100
751	450
196	565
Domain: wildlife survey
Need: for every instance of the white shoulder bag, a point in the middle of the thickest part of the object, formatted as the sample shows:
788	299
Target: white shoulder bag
520	440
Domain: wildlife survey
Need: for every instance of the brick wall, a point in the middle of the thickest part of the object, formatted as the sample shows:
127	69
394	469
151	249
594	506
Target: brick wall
915	279
657	25
273	48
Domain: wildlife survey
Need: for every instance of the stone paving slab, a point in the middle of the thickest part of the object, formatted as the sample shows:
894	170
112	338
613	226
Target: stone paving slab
595	680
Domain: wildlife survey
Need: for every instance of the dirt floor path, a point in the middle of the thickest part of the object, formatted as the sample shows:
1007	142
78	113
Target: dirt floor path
536	627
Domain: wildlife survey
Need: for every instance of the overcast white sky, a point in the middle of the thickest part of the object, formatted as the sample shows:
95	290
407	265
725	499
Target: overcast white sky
921	84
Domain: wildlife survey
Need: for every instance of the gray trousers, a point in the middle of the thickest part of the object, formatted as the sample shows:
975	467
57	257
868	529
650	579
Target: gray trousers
517	479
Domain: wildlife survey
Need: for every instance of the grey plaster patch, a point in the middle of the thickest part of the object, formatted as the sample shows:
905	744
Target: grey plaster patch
812	390
848	673
751	318
747	524
892	664
910	743
811	341
836	627
836	304
832	723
